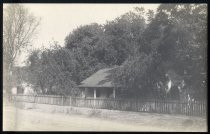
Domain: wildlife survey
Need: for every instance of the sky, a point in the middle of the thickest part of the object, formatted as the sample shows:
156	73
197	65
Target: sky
58	20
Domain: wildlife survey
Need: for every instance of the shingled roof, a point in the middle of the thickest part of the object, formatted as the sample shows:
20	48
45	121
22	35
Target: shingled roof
101	78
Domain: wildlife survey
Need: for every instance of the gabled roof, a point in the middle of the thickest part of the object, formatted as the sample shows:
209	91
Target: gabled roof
101	78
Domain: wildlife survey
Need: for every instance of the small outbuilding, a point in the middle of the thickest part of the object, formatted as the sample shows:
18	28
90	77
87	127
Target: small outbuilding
99	85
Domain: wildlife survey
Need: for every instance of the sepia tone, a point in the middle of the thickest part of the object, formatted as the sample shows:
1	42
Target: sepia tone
77	67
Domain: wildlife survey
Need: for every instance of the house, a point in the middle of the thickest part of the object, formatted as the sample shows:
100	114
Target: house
99	85
23	88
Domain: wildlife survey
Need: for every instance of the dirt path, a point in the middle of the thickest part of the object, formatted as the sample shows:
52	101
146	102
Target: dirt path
15	119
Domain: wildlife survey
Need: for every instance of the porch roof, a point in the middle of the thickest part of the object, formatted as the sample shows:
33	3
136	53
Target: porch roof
101	78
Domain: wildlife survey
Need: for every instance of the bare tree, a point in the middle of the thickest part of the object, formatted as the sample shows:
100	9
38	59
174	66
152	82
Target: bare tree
19	26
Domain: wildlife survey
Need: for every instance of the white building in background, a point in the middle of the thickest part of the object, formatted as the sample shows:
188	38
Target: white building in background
23	88
14	90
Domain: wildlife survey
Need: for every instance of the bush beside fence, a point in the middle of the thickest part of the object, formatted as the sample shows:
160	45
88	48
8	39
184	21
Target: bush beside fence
151	106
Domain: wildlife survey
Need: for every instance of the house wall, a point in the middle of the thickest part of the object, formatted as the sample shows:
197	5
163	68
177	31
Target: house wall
89	92
100	92
105	93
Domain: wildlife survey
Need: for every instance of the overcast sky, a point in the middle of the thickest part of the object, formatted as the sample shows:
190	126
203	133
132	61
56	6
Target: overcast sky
58	20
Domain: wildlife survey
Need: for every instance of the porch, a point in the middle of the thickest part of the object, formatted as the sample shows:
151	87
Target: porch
99	92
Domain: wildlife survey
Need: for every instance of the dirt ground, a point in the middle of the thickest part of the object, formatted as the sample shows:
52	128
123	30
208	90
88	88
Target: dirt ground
16	119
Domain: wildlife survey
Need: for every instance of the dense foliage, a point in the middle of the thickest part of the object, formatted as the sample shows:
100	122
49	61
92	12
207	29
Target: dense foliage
173	41
168	46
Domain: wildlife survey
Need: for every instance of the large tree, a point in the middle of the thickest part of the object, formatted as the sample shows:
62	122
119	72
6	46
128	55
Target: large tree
182	47
51	71
176	39
19	26
121	37
98	46
83	44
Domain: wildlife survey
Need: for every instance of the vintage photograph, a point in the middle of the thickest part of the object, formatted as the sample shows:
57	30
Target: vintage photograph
105	67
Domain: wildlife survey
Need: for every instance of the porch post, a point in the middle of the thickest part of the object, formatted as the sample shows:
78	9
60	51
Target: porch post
114	93
94	93
82	93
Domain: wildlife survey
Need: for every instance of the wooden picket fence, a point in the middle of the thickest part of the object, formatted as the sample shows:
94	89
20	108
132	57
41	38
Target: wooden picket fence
151	106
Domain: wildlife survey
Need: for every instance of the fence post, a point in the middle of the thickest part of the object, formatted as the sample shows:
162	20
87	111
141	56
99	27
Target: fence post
94	103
